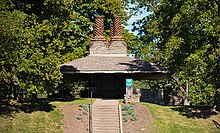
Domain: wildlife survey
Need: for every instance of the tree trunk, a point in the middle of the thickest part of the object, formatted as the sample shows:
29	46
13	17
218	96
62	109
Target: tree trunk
182	88
216	104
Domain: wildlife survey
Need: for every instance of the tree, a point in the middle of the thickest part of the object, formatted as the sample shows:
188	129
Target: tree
187	37
38	36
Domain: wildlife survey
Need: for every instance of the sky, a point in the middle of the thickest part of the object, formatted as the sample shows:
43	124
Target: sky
135	18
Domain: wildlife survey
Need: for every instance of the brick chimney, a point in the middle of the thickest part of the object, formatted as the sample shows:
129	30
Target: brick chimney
117	43
100	47
98	44
111	30
117	27
99	27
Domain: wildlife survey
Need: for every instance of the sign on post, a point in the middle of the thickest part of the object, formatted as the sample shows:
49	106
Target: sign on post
128	82
129	91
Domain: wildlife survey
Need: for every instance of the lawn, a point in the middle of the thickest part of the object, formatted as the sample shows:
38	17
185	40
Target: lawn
35	117
179	119
45	116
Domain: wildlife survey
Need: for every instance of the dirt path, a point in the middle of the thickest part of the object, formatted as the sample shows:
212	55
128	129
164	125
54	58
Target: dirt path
73	122
144	123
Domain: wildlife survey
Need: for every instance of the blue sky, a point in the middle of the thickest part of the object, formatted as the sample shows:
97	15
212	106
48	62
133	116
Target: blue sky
135	18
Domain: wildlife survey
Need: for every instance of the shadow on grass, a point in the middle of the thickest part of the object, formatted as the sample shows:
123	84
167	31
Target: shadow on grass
7	109
195	111
216	124
40	105
62	99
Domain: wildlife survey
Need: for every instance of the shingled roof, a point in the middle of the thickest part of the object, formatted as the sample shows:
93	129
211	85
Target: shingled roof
109	57
110	64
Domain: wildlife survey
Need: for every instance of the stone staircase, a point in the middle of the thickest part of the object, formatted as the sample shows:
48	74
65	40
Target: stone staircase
105	118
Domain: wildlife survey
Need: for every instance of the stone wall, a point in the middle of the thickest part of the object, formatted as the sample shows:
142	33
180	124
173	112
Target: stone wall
158	96
152	96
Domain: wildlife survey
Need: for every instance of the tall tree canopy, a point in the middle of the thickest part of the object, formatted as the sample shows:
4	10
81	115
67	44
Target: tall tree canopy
38	35
185	37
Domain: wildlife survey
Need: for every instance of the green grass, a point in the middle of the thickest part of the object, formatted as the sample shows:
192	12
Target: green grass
169	120
120	101
46	117
39	118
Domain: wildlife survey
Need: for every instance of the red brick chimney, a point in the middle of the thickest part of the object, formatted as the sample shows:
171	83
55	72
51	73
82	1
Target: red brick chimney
116	29
98	44
117	43
100	47
99	27
111	30
98	31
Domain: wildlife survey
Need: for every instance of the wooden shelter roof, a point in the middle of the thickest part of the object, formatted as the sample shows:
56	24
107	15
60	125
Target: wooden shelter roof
110	64
111	57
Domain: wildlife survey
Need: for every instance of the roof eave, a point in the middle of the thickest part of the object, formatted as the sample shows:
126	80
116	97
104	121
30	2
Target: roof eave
103	71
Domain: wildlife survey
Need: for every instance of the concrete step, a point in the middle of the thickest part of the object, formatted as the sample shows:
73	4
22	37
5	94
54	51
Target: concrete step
101	112
105	131
104	106
105	128
105	110
111	126
105	114
105	118
105	122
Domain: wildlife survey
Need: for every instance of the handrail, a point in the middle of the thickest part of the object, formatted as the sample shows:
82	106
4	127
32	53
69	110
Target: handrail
90	116
120	119
90	119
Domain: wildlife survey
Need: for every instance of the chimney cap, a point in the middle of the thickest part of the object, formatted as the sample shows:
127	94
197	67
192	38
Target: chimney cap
99	16
117	16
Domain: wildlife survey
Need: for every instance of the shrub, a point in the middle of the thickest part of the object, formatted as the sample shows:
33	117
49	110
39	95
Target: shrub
133	116
129	113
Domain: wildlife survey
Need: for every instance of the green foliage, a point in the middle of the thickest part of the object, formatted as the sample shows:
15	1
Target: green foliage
125	117
133	116
184	35
134	44
183	119
41	117
72	88
84	107
83	111
37	36
129	113
79	117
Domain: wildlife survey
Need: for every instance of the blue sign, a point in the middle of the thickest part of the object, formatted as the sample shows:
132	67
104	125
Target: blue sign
128	82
